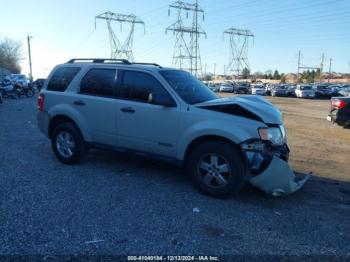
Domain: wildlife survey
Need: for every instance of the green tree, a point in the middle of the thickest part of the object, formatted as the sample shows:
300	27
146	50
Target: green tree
276	75
245	73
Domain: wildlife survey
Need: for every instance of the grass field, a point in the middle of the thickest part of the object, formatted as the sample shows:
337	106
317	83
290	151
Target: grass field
316	145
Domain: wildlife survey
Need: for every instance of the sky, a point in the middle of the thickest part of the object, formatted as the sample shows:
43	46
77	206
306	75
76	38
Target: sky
64	29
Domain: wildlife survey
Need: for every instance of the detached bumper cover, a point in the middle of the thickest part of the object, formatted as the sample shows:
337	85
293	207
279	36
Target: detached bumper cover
269	169
278	179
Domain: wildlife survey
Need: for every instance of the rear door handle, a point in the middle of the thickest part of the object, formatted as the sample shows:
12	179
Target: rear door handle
127	110
79	103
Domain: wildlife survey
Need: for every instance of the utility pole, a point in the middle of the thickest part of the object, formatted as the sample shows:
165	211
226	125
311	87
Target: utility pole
330	70
239	39
186	53
196	37
321	67
299	55
119	50
214	70
30	60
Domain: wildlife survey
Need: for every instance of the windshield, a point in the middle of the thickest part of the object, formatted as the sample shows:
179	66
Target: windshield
323	88
189	88
281	87
306	87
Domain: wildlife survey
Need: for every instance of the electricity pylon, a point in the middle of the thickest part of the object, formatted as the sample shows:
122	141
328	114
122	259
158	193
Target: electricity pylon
118	50
186	49
239	41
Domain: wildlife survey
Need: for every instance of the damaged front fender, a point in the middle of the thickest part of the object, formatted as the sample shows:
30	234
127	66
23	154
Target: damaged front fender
278	179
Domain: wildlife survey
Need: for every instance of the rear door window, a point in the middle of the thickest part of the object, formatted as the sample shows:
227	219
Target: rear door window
61	78
99	82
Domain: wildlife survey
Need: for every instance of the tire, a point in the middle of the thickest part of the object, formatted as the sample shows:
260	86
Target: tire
18	94
199	168
30	92
73	148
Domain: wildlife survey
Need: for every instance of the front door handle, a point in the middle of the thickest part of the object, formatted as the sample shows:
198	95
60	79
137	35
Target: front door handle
79	103
127	110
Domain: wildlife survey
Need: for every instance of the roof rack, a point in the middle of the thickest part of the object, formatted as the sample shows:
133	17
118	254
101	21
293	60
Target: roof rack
154	64
98	60
108	60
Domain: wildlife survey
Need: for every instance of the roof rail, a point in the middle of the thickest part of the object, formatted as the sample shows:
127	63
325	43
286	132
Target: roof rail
154	64
98	60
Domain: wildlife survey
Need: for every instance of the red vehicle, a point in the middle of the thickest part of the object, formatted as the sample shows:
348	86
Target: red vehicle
340	111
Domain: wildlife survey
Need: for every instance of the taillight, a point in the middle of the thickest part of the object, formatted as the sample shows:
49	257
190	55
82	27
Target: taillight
41	102
338	104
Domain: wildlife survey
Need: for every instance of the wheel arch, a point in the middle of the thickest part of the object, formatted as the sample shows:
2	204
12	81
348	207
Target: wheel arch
202	139
59	119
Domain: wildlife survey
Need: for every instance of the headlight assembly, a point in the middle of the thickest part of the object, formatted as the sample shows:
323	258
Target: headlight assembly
272	134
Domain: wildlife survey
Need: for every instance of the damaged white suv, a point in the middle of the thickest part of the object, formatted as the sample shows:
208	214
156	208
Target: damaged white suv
168	114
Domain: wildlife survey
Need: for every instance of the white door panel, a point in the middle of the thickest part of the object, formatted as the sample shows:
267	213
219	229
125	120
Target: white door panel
147	127
100	117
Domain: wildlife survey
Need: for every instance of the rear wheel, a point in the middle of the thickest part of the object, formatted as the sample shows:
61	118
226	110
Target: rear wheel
68	144
216	168
30	92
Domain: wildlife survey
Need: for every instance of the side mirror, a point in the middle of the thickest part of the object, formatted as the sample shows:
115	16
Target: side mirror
161	100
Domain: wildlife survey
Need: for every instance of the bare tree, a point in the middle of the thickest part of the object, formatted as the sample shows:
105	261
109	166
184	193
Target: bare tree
10	54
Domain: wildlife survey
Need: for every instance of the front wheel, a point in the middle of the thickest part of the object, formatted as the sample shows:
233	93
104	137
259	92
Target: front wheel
68	144
216	168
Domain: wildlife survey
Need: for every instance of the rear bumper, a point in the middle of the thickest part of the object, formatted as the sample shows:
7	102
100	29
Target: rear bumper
307	96
43	122
338	117
269	168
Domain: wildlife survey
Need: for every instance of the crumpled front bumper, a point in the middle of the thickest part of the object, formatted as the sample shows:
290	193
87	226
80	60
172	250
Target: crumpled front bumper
269	169
278	179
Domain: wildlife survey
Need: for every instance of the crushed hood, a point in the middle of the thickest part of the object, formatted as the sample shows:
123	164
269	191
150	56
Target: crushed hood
256	105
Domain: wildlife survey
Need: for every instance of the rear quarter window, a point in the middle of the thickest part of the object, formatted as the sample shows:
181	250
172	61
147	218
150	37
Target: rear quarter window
61	78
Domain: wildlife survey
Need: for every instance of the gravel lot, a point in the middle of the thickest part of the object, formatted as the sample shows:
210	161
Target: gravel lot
114	204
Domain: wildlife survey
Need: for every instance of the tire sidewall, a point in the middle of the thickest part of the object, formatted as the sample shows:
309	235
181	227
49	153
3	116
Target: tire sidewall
79	143
30	93
235	160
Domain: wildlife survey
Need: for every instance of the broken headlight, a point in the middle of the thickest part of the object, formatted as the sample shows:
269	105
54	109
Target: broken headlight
273	134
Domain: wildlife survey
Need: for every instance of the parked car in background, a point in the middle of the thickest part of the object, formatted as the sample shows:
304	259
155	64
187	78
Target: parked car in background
305	91
279	90
19	78
291	90
340	111
324	91
258	90
268	88
226	88
241	88
39	83
344	90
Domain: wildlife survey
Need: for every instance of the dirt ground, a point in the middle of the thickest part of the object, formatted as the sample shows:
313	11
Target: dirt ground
316	145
